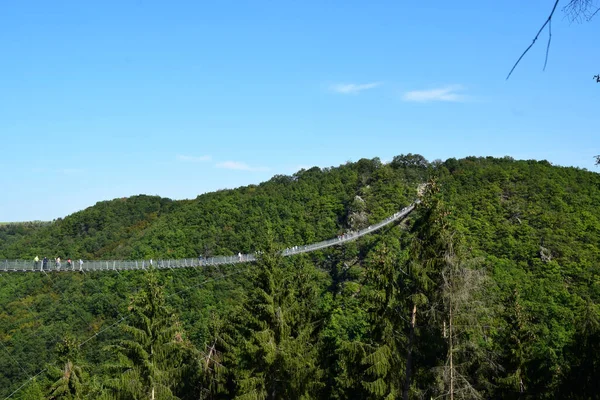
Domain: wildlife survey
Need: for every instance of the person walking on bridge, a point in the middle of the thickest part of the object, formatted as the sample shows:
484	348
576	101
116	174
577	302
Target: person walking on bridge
36	262
45	264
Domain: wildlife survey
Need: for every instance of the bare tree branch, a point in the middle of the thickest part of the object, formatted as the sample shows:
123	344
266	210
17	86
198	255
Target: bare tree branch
536	38
548	45
578	10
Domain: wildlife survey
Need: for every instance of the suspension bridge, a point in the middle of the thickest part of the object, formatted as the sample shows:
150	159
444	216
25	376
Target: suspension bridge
21	266
117	265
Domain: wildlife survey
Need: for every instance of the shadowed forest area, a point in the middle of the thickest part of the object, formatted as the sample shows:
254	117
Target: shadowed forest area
490	289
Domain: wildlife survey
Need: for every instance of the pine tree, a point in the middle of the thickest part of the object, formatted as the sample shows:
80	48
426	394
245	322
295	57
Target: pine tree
33	391
463	312
213	383
518	337
278	354
69	380
423	275
451	285
383	353
150	360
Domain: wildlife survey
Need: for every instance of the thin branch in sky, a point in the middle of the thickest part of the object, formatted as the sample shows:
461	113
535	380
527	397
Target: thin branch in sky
548	45
535	39
579	10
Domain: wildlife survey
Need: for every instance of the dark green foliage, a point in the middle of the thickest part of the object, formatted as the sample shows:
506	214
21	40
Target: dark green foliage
98	232
336	323
311	205
13	232
150	359
537	227
277	353
69	382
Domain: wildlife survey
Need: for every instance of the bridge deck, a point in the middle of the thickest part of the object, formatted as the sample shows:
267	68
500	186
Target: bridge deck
117	265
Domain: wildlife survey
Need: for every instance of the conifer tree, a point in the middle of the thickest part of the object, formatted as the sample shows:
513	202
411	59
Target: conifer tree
423	270
69	380
213	382
383	353
449	283
463	312
33	391
150	357
519	337
278	354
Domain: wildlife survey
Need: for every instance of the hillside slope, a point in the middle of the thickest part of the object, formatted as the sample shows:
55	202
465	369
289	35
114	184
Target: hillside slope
498	268
311	205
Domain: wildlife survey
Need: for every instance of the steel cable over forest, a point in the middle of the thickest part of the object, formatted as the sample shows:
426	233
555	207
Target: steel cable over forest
27	266
110	265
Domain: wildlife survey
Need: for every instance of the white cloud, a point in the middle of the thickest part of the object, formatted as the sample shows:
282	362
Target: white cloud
239	166
446	93
181	157
353	88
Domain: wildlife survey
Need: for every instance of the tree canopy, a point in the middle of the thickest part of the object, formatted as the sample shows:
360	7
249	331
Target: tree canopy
489	290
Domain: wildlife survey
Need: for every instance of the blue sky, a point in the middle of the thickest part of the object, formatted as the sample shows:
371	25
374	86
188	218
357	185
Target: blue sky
108	99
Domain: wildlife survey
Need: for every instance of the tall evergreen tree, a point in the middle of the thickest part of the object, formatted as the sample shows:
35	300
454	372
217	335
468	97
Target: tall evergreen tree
469	364
213	382
383	353
278	353
150	357
423	275
69	380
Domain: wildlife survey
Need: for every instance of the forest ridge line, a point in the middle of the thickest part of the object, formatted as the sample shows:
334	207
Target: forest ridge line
118	265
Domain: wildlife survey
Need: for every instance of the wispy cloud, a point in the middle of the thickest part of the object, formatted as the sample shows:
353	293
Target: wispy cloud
446	93
239	166
184	158
353	88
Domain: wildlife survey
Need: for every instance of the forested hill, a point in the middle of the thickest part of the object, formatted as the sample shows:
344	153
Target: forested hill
490	289
310	205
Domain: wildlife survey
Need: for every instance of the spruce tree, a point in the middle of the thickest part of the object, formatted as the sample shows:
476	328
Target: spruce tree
383	355
447	286
69	381
278	354
150	359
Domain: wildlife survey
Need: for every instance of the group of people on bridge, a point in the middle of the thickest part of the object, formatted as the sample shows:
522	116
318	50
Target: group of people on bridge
57	264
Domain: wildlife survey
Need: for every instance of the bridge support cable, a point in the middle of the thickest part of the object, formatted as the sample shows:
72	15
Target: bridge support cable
48	343
58	337
21	266
14	360
25	384
123	319
120	265
241	270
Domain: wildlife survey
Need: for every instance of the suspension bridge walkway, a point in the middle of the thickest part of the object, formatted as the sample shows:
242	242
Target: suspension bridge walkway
118	265
20	266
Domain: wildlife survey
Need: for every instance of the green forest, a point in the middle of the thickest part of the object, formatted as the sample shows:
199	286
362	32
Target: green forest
490	289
